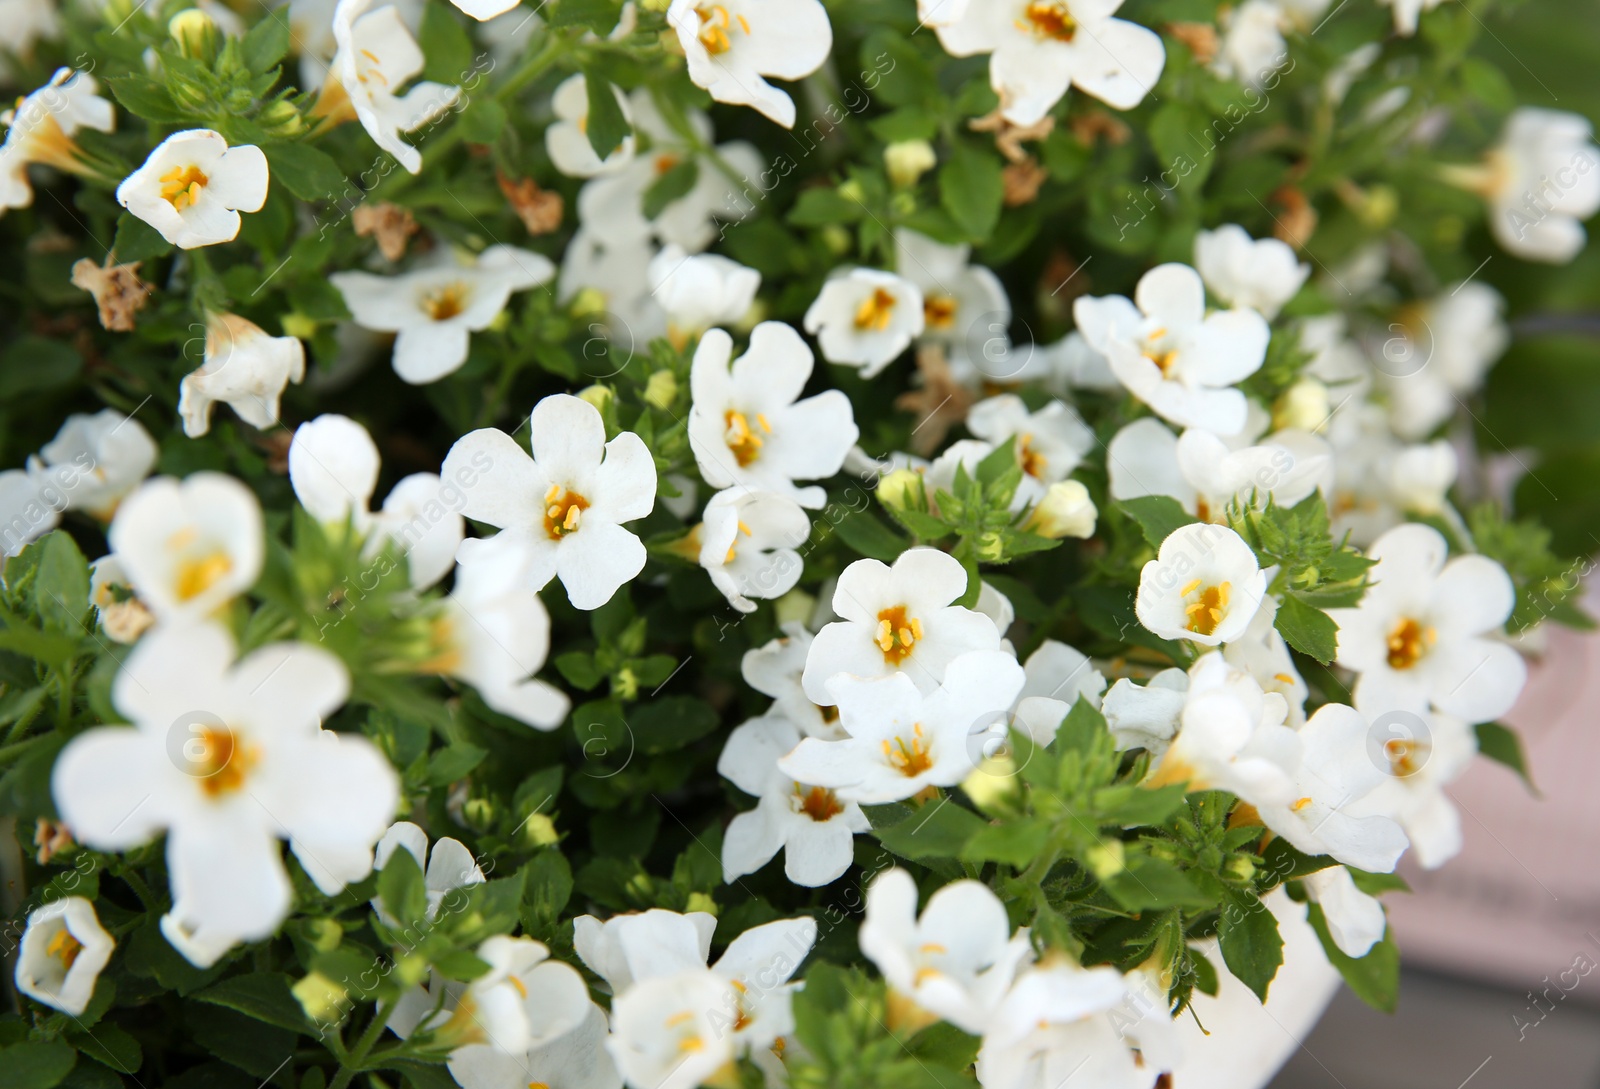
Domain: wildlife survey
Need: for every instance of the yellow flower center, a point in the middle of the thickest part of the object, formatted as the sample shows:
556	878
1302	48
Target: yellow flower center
563	511
875	312
1299	804
181	186
939	311
1204	605
909	758
897	634
742	439
733	548
1408	642
818	803
219	760
198	573
446	648
64	947
1050	19
1406	756
1033	463
715	23
444	303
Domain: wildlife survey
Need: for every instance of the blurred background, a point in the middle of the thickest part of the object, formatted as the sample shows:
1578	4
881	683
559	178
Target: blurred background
1501	946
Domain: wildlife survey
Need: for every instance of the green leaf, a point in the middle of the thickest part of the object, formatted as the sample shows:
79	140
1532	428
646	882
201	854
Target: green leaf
971	188
136	240
306	172
453	762
1504	746
1150	883
944	1044
483	120
675	183
144	97
578	667
401	888
670	722
37	363
1307	629
821	206
1284	863
264	996
111	1046
447	47
938	830
548	884
36	1065
266	44
1157	515
607	126
61	587
1252	948
1016	842
866	533
597	15
239	1040
1375	978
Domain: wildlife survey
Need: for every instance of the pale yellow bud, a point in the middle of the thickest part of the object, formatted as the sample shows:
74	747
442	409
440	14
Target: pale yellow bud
1065	511
1106	858
662	389
901	489
195	33
539	831
321	998
1303	406
598	396
907	160
699	901
796	606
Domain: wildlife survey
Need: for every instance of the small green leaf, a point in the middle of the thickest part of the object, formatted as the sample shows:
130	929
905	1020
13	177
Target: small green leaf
1375	978
61	588
264	996
865	533
822	206
266	44
670	722
1308	629
1251	945
110	1045
447	47
938	830
305	171
136	240
401	889
971	189
607	126
35	1064
453	762
483	120
1016	842
675	183
1504	746
1157	515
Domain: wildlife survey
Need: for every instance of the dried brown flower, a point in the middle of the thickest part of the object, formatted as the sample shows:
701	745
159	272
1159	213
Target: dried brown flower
117	290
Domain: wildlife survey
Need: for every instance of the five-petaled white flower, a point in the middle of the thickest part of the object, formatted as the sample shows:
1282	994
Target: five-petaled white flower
191	546
246	368
1421	753
1205	473
449	866
567	138
955	961
748	424
565	505
964	306
865	318
698	291
1425	631
228	757
1541	181
732	44
333	467
193	186
1204	586
812	825
376	56
1438	352
42	127
1171	354
748	544
1040	48
435	309
902	740
898	619
62	952
93	462
1262	274
775	669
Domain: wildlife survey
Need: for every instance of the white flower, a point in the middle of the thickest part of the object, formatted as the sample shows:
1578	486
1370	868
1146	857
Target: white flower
775	669
1065	510
1231	738
93	462
1438	352
27	23
1061	1022
956	960
189	547
484	10
1336	771
865	318
376	56
1205	473
244	367
333	467
1420	754
1262	274
607	281
1252	44
668	1031
1171	354
26	514
123	617
577	1059
1355	920
201	942
902	740
567	138
228	757
494	633
1072	363
1050	443
748	542
1055	676
523	1001
959	299
898	620
698	292
1541	181
941	12
41	130
1146	716
1204	586
627	948
62	952
1408	12
1424	632
565	505
1262	652
810	824
748	424
434	310
1040	48
731	45
448	867
193	186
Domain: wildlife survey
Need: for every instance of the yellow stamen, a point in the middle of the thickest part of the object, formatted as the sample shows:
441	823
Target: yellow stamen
444	303
1408	642
910	759
875	313
897	634
563	511
1050	19
742	441
939	311
1299	804
197	574
1205	612
181	186
64	947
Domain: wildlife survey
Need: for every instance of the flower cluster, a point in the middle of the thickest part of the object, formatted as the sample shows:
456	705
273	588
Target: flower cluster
1073	579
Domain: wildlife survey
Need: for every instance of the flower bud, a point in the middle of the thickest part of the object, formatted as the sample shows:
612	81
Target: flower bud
539	831
661	389
836	238
700	901
1106	859
902	490
1240	868
598	396
1065	511
298	325
321	998
590	300
324	934
852	191
195	33
1303	406
625	684
281	119
907	160
796	606
478	813
993	785
411	969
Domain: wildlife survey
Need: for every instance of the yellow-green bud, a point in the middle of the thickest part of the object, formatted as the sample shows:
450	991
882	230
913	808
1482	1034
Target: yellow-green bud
1380	207
500	321
796	606
324	934
1240	868
1106	858
661	389
901	490
902	203
411	969
852	191
590	300
1065	511
837	239
1303	406
700	901
322	999
478	813
598	396
195	33
991	548
539	831
907	160
992	786
625	685
282	119
298	325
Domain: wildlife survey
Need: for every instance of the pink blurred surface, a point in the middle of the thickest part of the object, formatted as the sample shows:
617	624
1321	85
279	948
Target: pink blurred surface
1521	902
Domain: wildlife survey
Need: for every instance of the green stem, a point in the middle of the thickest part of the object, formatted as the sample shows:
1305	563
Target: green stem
533	67
16	749
351	1064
